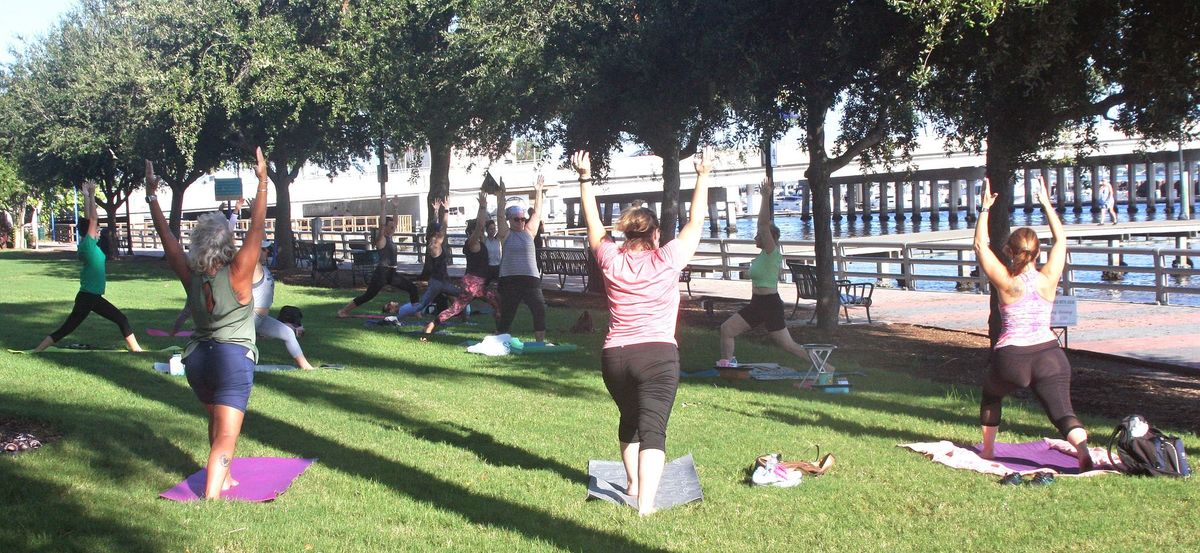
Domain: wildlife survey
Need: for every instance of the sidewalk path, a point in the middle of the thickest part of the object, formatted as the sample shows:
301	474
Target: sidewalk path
1152	333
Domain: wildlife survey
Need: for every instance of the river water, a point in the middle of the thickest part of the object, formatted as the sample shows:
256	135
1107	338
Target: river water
791	227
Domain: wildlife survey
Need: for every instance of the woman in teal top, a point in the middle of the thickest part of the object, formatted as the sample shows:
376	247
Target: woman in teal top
219	360
91	282
766	307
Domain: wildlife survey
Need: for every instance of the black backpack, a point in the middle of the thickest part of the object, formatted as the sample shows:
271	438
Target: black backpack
1146	451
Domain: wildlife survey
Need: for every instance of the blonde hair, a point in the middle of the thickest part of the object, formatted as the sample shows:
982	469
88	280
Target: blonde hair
638	225
1022	248
211	244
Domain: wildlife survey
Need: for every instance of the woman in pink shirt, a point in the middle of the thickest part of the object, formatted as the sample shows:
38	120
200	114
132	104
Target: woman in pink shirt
640	361
1027	354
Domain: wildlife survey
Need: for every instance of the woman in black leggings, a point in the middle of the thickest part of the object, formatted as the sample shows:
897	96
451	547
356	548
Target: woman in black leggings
1027	355
92	280
640	358
385	270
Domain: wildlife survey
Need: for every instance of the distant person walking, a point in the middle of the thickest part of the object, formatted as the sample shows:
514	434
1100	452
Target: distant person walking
1108	201
220	357
1027	355
92	281
640	358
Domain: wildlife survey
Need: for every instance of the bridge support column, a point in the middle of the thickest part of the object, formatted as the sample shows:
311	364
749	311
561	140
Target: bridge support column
955	193
1170	192
1151	189
836	191
916	200
972	198
883	198
1077	188
1095	184
935	200
868	194
851	201
1132	185
899	200
1060	189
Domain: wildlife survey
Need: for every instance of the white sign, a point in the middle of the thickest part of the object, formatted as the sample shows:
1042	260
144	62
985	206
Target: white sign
1064	312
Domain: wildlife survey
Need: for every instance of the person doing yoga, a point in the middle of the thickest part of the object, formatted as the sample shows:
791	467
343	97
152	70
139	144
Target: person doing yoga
266	325
520	281
1027	353
385	270
766	307
92	281
474	281
438	254
220	357
640	358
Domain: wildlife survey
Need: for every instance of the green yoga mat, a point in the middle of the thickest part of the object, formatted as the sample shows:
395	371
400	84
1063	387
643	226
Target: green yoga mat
534	347
55	349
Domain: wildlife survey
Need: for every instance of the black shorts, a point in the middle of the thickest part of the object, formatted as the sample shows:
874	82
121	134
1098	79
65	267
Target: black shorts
764	308
642	380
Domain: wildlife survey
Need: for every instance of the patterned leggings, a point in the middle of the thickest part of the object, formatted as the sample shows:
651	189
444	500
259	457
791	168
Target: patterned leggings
472	287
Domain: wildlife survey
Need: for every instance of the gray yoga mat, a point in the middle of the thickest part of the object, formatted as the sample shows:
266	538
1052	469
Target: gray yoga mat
680	483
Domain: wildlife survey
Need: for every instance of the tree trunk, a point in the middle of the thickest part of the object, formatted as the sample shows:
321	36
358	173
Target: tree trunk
1000	171
19	225
439	170
818	181
282	178
670	197
175	221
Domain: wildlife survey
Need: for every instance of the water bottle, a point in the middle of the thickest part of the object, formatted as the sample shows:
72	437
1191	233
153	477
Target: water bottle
176	364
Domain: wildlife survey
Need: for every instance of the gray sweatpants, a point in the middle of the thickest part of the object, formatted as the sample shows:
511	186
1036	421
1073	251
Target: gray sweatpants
270	327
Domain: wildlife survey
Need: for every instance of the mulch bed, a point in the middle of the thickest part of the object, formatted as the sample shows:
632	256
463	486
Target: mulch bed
19	436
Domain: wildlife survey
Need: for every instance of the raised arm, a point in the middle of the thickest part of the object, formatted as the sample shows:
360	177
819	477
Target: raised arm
690	234
176	259
242	268
992	266
380	237
476	238
582	163
767	190
501	208
534	224
89	209
1057	258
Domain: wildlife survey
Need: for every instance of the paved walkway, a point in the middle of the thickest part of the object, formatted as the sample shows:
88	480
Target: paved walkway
1167	335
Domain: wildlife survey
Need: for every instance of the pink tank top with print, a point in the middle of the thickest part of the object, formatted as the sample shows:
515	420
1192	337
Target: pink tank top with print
1026	322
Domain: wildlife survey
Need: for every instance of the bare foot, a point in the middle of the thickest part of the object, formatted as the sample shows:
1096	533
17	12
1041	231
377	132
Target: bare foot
229	483
987	454
631	489
342	314
307	367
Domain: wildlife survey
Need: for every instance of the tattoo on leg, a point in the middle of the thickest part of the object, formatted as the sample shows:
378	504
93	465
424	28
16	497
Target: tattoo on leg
224	460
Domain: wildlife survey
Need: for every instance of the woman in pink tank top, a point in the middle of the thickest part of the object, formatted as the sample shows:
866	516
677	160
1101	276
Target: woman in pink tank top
1026	354
640	359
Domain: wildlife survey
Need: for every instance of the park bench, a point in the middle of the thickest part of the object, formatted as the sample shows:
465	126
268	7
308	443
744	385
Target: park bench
564	262
850	294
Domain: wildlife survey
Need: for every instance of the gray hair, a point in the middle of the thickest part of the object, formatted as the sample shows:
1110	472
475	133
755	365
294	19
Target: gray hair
212	244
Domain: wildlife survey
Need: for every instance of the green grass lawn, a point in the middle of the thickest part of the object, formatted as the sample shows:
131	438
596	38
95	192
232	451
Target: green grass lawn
422	446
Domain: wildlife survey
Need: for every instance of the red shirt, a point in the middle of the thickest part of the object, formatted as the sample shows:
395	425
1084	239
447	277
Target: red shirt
643	292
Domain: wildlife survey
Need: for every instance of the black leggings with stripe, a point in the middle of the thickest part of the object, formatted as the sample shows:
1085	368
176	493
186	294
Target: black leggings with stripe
85	304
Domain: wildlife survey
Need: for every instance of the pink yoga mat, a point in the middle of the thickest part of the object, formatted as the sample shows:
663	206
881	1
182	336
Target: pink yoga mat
259	479
161	332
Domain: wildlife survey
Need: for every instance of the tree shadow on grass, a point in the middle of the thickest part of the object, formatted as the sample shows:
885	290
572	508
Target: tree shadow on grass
484	445
40	517
403	478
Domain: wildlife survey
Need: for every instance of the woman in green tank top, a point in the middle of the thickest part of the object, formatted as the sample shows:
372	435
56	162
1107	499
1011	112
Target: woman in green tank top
220	358
766	307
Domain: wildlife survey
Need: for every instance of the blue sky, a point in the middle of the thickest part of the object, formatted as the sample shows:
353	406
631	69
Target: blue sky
28	18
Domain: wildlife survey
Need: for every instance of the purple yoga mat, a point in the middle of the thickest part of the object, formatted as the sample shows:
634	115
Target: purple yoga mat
1033	456
259	479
